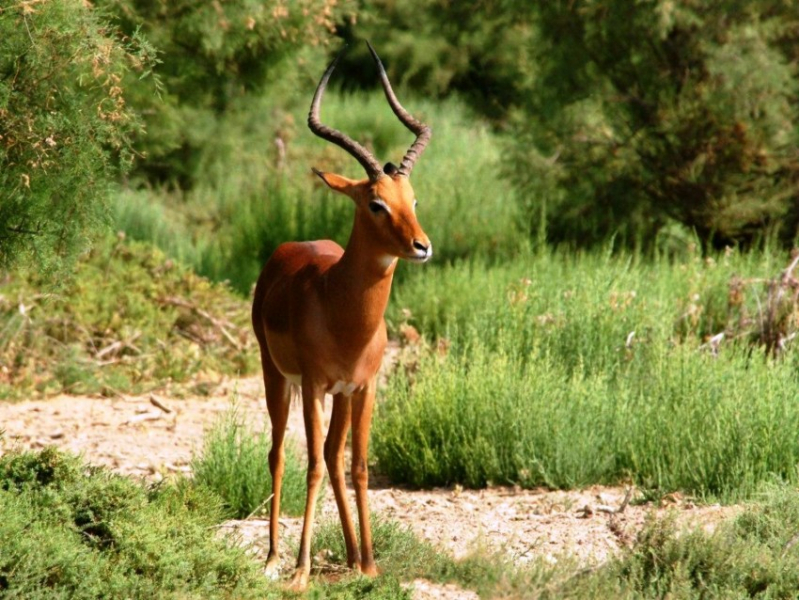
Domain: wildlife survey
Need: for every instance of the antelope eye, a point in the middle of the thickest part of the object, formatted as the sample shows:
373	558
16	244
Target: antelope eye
376	206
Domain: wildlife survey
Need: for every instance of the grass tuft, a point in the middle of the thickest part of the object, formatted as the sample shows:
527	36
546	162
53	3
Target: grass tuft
234	463
399	554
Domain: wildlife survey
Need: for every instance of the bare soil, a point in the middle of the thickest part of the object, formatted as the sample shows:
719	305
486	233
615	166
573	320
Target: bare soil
135	436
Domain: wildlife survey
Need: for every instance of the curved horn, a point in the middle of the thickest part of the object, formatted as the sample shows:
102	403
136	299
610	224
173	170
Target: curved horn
361	154
421	130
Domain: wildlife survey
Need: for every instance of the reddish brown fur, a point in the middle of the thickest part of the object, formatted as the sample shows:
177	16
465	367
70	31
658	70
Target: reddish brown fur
318	316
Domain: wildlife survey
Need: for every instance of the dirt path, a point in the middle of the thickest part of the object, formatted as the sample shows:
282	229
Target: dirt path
134	436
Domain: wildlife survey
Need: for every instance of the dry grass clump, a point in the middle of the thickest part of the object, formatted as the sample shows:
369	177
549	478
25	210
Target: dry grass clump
129	320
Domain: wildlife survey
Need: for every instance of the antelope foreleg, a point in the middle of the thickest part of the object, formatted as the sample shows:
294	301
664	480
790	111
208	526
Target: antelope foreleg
362	405
334	458
277	403
312	399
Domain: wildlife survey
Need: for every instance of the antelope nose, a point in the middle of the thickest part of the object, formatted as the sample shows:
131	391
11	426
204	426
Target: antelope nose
424	250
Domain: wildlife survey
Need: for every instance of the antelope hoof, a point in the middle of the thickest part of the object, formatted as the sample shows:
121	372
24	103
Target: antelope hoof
272	568
299	583
369	569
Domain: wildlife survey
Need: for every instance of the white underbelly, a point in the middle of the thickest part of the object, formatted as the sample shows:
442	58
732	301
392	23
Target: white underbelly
293	379
343	387
348	388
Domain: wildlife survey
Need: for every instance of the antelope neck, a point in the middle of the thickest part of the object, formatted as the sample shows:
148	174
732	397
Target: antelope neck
360	284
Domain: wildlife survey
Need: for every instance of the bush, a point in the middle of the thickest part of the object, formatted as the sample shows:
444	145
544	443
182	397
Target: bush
658	112
72	531
128	320
65	125
747	557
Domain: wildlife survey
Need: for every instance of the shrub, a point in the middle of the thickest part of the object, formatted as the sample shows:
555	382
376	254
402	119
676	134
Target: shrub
72	531
128	320
749	556
65	125
658	112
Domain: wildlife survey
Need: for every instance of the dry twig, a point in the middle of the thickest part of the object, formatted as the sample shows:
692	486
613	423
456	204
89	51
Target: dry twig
221	325
158	404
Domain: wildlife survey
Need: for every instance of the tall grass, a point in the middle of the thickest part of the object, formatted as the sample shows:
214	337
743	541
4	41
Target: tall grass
234	463
565	370
252	197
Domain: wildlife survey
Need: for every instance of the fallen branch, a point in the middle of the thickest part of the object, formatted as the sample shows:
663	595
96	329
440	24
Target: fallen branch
119	345
158	404
790	543
627	497
148	416
258	508
220	325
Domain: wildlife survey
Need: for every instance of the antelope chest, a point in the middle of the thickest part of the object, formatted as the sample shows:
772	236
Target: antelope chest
338	369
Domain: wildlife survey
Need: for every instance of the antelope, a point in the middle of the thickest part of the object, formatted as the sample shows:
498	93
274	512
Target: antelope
318	316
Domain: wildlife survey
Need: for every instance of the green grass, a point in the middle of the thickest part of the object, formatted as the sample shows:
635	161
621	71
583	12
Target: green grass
234	463
543	383
74	531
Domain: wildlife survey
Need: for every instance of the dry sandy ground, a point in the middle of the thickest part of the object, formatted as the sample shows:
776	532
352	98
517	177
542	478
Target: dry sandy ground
133	435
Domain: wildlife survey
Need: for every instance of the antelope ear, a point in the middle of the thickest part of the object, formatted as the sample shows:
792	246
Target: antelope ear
339	183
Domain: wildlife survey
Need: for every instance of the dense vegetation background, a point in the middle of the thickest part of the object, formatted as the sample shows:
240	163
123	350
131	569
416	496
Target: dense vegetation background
588	161
654	121
613	192
649	132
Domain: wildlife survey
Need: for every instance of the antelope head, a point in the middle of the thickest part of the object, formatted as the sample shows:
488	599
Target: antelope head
385	201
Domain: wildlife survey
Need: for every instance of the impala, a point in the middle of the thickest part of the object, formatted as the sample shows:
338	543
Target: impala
318	316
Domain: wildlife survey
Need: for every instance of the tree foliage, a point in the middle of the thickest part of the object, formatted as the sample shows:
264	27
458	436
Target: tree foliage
620	118
624	116
478	50
658	111
65	125
214	55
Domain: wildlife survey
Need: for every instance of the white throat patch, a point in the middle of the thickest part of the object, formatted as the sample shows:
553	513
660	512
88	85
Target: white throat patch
386	261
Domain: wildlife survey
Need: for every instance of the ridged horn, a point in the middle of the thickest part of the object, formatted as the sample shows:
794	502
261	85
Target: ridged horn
421	130
361	154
